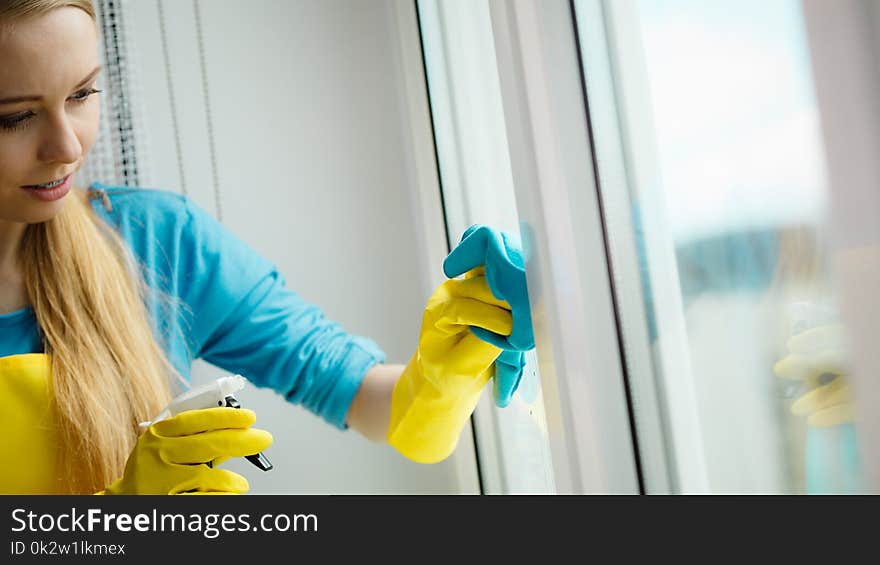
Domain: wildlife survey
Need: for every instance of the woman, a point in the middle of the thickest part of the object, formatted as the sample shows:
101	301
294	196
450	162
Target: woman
107	295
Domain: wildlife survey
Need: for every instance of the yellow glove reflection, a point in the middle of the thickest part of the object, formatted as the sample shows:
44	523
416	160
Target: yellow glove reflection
441	385
818	357
168	458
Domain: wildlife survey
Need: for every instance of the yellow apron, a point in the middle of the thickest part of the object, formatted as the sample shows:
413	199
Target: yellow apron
28	427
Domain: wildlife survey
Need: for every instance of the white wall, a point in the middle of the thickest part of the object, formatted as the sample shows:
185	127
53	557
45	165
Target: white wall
307	113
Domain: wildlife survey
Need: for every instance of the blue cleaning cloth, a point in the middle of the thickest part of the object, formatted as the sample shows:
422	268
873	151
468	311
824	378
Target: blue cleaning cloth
508	373
501	253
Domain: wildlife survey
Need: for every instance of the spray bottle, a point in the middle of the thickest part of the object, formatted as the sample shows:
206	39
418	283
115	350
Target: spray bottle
220	392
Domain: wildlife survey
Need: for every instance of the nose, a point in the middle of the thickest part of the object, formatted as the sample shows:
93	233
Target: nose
60	142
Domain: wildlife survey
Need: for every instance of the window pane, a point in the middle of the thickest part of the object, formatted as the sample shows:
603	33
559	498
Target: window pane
727	194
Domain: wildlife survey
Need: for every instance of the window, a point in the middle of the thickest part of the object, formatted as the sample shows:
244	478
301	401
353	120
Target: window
710	164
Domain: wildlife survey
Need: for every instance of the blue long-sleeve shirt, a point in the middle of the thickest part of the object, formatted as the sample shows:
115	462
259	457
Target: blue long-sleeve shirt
216	299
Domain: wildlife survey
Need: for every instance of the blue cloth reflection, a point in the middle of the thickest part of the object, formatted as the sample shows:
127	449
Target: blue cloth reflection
728	262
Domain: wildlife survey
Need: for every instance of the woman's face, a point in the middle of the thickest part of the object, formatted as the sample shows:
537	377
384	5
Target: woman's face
50	60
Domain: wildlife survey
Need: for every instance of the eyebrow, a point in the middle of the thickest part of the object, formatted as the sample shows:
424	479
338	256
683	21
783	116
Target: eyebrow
16	99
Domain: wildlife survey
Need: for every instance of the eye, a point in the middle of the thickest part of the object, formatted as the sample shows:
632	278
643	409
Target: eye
12	123
19	121
84	94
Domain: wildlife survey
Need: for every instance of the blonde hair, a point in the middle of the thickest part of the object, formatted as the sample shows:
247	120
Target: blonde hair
108	370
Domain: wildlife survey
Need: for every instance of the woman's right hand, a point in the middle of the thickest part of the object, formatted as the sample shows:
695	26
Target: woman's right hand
170	456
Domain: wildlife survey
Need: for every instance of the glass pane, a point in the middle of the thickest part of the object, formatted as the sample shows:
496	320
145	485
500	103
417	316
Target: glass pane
728	199
477	188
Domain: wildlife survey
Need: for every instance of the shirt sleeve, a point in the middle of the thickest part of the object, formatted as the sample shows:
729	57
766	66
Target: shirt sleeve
246	321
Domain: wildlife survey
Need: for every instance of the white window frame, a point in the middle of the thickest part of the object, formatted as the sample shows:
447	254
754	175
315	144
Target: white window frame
627	165
582	376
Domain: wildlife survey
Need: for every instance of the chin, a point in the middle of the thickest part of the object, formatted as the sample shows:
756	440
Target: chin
40	212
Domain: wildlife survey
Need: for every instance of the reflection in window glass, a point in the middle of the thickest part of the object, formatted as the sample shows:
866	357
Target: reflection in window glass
740	195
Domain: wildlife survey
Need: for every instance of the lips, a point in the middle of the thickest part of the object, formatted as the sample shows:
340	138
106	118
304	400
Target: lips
48	184
50	193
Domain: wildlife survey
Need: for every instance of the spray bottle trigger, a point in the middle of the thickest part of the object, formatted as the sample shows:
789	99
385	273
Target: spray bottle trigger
232	402
258	459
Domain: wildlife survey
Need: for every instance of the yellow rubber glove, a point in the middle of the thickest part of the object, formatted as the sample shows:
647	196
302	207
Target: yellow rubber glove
169	456
441	385
818	357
